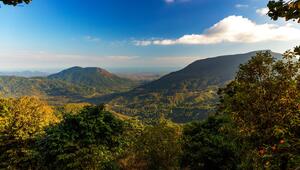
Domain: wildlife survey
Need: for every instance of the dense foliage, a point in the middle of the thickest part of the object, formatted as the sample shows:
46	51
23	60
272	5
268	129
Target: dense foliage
21	122
156	147
263	101
180	107
15	2
210	145
290	10
51	90
90	139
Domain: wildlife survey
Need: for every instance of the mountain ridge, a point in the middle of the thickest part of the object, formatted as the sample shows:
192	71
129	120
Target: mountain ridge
201	72
74	84
184	95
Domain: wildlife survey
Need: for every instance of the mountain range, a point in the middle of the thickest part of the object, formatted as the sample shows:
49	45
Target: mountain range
184	95
71	85
202	73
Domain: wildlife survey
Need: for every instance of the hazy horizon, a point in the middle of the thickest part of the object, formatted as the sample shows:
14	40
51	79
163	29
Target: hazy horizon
117	70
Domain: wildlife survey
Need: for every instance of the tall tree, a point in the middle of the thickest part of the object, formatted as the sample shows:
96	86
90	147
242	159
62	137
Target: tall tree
157	147
210	145
90	139
263	101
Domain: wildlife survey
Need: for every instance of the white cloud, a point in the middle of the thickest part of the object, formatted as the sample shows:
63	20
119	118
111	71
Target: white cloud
169	1
173	1
262	11
234	29
91	38
142	43
241	6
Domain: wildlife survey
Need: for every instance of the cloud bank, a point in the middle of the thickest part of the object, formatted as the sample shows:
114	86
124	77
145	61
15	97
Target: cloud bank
233	29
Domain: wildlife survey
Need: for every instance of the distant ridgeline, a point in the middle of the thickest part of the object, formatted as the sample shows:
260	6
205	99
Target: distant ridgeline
72	85
182	96
185	95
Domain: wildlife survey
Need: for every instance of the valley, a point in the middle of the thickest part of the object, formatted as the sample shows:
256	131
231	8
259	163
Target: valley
182	96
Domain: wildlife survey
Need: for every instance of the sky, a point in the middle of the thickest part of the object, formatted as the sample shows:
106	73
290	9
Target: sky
50	35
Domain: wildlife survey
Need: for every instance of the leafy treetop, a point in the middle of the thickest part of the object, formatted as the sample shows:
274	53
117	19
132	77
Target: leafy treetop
15	2
263	101
290	10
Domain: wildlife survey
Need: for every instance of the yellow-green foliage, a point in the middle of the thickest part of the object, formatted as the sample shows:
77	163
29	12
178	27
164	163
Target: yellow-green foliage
21	121
180	107
24	117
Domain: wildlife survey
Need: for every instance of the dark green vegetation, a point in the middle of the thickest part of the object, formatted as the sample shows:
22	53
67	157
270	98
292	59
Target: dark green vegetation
89	140
15	2
210	144
71	85
288	10
185	95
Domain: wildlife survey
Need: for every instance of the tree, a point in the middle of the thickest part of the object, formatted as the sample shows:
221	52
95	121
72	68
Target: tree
157	147
209	145
15	2
264	102
290	10
21	121
91	139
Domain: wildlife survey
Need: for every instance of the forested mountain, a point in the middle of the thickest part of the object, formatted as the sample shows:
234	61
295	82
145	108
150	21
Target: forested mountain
188	94
94	77
72	85
202	73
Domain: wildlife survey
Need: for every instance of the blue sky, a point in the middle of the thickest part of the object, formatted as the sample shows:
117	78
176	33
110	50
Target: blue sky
55	34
